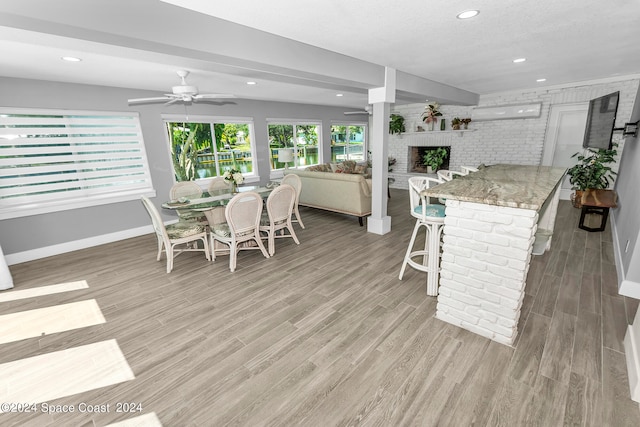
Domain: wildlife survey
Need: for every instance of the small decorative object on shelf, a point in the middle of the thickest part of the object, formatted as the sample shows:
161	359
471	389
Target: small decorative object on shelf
455	123
465	123
443	124
431	114
234	178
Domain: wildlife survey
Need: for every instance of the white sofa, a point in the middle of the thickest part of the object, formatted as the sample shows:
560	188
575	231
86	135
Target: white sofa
337	192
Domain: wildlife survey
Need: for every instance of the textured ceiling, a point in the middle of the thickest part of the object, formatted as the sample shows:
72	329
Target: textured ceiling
141	44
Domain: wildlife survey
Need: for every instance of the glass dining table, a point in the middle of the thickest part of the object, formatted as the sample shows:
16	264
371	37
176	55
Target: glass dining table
208	201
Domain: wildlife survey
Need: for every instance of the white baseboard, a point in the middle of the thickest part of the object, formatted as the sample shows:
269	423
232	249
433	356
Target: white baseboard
62	248
633	362
627	288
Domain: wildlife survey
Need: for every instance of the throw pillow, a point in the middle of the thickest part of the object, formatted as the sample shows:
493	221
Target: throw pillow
316	168
348	166
360	169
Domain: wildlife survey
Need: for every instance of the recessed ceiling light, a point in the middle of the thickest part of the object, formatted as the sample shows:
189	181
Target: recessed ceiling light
71	59
251	83
339	94
519	60
467	14
541	80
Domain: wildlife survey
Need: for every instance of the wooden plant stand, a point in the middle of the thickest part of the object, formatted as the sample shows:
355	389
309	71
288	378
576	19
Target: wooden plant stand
597	202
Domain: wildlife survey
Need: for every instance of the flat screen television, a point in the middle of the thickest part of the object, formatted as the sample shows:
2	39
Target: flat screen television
601	121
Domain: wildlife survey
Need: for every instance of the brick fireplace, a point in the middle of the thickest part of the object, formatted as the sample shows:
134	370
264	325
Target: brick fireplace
415	155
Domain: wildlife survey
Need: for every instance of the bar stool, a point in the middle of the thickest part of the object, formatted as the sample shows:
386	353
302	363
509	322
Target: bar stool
431	216
447	175
468	169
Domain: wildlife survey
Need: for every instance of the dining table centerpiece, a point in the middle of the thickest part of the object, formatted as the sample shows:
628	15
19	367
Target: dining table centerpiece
431	114
233	177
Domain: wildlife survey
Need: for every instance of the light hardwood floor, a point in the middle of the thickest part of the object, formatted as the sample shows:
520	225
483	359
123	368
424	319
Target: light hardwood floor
324	334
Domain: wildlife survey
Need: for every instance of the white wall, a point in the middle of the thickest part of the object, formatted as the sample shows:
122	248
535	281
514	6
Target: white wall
516	141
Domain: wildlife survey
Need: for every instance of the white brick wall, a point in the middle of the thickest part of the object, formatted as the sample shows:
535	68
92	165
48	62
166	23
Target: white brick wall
516	141
484	266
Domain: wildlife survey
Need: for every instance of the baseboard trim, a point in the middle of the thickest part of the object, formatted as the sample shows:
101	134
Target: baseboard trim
47	251
633	363
627	288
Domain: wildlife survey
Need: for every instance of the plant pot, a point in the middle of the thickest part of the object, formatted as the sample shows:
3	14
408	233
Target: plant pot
455	127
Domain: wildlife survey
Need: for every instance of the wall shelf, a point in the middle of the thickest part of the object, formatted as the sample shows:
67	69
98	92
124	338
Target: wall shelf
435	132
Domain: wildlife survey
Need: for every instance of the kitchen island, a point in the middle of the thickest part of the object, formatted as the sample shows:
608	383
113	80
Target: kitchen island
495	220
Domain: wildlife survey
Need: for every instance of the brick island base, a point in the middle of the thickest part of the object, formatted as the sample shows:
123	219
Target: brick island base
485	259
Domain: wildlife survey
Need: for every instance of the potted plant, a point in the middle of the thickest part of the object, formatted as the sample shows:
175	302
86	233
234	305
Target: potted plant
431	114
396	124
591	171
465	122
455	123
433	159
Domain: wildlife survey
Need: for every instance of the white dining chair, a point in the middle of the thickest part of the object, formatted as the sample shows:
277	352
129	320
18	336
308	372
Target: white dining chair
218	183
431	217
295	181
188	190
242	228
277	222
172	235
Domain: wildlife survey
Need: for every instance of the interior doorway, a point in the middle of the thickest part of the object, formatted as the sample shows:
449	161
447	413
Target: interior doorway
564	138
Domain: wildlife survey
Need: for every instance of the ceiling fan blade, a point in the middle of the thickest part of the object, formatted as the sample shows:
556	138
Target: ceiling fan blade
173	101
213	96
143	100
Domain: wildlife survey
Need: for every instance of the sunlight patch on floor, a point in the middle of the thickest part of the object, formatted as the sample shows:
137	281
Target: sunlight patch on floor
42	290
63	373
146	420
49	320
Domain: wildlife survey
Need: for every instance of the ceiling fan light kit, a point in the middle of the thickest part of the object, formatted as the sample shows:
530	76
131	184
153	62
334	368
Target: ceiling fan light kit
183	92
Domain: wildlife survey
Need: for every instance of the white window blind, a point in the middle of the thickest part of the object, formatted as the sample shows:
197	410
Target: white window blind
52	160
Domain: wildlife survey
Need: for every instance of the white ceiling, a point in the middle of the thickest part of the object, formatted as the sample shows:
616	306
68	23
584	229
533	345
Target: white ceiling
141	44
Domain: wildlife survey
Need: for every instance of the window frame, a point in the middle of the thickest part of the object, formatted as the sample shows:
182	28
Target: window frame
78	171
295	123
365	143
252	176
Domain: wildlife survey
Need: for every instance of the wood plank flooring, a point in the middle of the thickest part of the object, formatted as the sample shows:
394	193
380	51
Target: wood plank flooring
324	334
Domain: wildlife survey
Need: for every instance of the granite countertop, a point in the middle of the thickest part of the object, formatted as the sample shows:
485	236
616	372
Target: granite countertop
516	186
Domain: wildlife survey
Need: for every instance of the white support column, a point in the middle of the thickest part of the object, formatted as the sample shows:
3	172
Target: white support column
6	281
379	222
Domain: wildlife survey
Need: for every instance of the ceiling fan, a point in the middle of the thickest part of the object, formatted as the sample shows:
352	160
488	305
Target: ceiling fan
367	110
182	92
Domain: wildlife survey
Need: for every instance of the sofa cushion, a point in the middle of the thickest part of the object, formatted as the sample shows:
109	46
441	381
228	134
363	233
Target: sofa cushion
323	167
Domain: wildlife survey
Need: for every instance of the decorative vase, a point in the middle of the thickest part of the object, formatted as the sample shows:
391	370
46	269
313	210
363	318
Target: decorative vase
443	124
431	125
234	187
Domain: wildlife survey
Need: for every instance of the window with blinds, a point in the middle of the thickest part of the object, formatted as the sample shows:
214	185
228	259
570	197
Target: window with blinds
53	160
